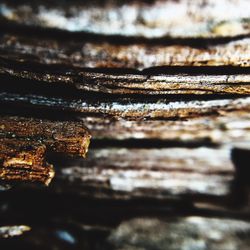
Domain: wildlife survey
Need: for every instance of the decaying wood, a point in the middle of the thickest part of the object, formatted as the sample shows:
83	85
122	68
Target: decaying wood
25	161
62	137
28	56
225	128
138	84
163	86
25	141
136	55
150	19
131	107
127	173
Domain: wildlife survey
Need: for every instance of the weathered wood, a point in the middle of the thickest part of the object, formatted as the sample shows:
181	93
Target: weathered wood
225	128
131	108
122	173
164	84
62	137
144	19
136	55
25	161
137	84
30	55
167	169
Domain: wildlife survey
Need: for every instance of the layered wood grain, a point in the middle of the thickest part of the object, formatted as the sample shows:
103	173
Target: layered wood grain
163	87
226	128
150	19
89	53
130	108
69	63
62	137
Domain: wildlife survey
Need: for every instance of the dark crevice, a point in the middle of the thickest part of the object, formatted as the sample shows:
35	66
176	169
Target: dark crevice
149	143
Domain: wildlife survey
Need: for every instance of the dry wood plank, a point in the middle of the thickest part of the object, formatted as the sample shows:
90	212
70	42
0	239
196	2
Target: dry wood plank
24	161
131	108
63	137
154	19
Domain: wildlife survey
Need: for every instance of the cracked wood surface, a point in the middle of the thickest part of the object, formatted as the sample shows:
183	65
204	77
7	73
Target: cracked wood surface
50	61
135	55
151	19
168	166
24	161
145	84
63	137
130	108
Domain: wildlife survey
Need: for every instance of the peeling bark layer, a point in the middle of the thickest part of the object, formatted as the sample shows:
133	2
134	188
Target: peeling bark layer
131	108
25	161
152	19
25	141
62	137
50	61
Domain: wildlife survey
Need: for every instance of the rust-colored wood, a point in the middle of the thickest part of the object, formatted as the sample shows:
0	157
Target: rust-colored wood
63	137
24	161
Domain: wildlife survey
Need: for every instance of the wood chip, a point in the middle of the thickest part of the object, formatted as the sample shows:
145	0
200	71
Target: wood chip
25	161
